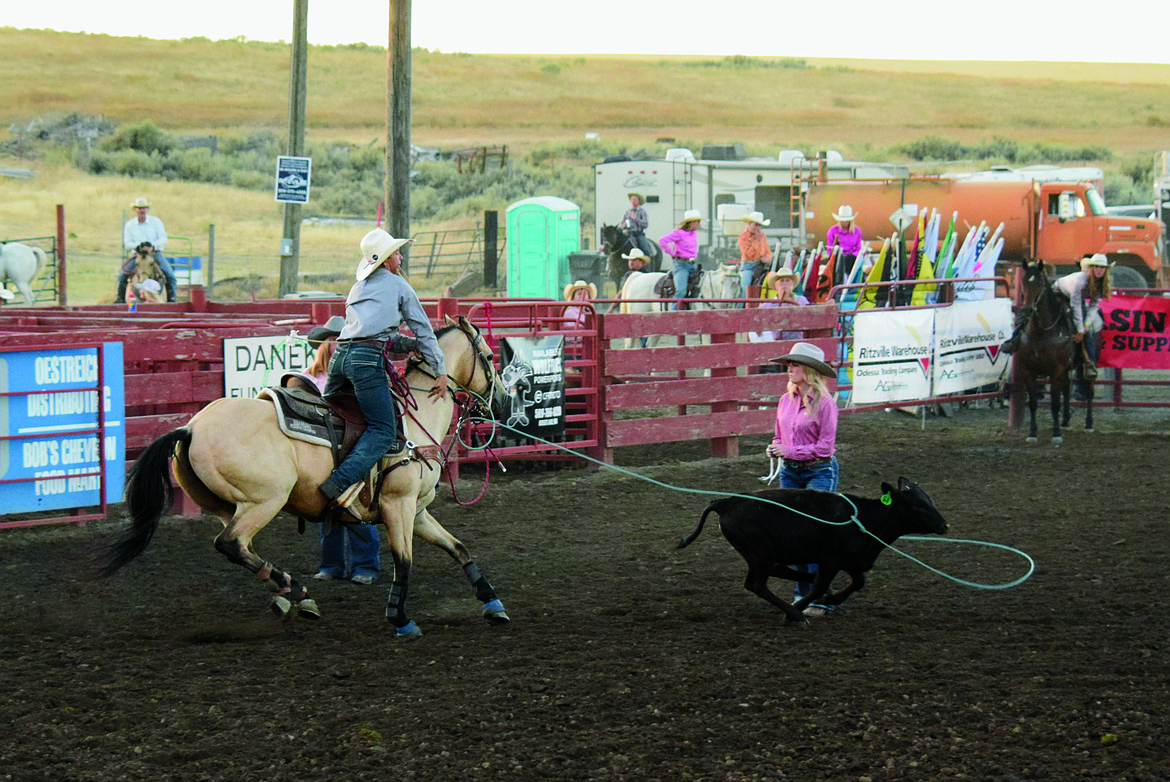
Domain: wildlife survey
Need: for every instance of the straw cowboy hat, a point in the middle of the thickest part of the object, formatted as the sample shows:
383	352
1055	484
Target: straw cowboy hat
636	254
845	214
1098	259
319	334
783	273
377	246
639	196
689	216
755	217
573	287
807	355
140	203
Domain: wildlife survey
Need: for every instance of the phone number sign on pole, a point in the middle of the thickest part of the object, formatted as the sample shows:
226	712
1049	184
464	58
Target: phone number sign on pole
292	179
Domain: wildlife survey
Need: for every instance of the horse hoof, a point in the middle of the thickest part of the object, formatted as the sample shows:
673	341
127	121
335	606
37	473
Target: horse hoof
1033	440
1057	440
1089	429
280	606
308	609
493	611
408	631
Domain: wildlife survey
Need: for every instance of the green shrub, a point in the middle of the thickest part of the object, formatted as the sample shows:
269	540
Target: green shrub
142	137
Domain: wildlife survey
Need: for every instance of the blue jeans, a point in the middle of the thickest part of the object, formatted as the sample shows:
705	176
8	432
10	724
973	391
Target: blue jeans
641	242
363	545
748	270
681	273
130	266
823	477
359	367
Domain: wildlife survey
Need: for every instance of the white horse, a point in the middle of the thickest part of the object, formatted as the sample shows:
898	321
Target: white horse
21	264
722	283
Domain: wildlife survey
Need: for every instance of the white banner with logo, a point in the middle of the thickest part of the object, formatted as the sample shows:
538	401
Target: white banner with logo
967	337
909	355
892	354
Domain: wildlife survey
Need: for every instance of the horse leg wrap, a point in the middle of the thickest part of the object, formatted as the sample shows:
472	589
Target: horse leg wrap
483	589
396	604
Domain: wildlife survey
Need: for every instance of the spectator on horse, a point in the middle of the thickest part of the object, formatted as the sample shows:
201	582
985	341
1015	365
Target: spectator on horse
359	541
144	228
847	236
682	244
636	260
635	222
377	305
754	252
806	435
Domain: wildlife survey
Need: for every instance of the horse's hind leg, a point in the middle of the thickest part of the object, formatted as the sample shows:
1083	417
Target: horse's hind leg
1090	392
1032	403
235	543
26	291
432	532
1059	391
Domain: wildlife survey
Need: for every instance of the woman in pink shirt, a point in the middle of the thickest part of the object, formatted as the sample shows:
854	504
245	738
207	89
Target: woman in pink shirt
682	244
806	434
847	236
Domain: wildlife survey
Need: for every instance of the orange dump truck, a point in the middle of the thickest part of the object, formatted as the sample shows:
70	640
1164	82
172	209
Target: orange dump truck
1057	222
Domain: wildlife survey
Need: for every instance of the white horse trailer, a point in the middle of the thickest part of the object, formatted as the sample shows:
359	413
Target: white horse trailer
724	189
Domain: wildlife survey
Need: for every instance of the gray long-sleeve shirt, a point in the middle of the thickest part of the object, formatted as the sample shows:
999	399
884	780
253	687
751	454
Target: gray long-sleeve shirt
379	304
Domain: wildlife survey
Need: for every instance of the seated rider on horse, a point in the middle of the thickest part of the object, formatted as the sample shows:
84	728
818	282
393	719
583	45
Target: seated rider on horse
149	230
635	222
377	304
1083	292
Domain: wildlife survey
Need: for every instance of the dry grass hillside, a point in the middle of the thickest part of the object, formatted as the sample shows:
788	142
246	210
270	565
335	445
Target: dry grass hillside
862	107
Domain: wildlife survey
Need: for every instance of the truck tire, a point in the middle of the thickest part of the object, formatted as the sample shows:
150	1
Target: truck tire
1127	277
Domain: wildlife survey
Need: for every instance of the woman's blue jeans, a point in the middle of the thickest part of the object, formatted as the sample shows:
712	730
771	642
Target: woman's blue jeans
360	368
681	273
823	477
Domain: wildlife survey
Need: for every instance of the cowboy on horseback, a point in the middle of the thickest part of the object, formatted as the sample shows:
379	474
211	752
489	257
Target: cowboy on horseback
635	222
377	304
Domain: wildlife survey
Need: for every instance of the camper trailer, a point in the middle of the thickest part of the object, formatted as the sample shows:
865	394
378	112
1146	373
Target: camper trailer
723	187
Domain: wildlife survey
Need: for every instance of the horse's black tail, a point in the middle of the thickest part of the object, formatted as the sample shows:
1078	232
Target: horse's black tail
149	495
716	506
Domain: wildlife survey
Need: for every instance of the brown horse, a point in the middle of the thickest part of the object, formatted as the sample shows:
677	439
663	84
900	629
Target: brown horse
233	460
1048	349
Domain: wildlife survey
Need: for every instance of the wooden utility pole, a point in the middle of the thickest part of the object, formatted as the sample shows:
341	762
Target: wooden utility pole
397	197
290	256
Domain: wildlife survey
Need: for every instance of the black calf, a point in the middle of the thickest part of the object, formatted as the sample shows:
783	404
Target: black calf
769	537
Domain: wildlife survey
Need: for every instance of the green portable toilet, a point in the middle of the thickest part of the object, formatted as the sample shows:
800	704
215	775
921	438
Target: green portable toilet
542	232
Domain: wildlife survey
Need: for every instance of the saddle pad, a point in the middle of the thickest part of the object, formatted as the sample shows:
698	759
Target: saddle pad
291	409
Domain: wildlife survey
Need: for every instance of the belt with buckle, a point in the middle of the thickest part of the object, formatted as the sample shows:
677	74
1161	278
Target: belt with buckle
360	341
806	464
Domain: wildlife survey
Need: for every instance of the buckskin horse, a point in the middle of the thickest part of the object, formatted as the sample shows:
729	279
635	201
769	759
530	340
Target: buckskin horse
234	461
1048	349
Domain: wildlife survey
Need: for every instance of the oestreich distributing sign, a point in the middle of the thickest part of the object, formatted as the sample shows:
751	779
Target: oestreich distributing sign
57	425
253	363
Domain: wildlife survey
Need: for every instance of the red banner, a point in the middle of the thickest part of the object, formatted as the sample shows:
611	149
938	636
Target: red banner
1135	332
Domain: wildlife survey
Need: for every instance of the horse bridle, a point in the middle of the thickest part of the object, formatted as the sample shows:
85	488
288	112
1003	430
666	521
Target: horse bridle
1034	308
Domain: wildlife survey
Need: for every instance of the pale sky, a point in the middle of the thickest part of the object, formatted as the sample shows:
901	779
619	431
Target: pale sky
1117	31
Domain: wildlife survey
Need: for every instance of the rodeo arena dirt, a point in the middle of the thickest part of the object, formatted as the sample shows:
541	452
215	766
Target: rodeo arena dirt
1042	656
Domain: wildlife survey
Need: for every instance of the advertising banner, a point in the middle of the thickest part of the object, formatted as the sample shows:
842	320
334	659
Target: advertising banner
892	355
49	395
292	179
967	336
1135	332
534	379
253	363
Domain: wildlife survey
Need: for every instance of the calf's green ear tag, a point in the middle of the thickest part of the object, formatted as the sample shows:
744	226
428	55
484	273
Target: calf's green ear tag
887	499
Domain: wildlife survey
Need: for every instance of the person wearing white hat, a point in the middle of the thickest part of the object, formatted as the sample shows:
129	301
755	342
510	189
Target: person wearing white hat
846	236
682	244
754	251
144	227
636	260
377	305
806	433
636	222
1085	290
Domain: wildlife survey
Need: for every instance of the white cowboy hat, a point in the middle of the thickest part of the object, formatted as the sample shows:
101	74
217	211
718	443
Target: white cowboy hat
808	355
377	246
1098	259
635	254
845	214
688	216
573	287
755	217
140	203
